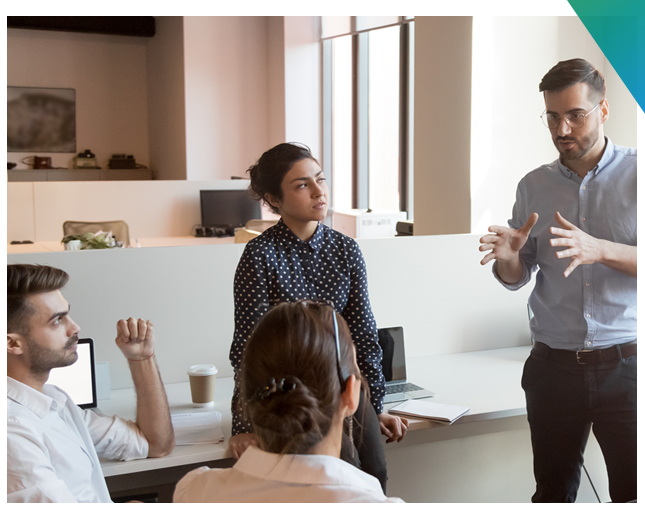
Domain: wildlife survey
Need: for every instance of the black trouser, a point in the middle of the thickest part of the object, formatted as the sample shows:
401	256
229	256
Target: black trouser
564	400
368	452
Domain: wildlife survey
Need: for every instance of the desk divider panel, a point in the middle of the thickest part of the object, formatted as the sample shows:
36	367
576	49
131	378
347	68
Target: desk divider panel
433	286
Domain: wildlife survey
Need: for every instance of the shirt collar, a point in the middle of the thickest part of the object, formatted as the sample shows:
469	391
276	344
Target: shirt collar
304	469
290	239
607	157
36	401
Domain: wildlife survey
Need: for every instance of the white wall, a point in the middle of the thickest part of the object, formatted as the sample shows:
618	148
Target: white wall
511	54
623	108
226	82
433	286
295	81
109	75
442	85
167	99
37	210
303	82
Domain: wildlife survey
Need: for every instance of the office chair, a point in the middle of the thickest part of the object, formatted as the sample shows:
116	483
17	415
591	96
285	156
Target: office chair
243	235
119	229
259	225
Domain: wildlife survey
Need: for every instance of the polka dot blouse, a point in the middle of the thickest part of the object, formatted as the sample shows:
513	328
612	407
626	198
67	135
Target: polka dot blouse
279	267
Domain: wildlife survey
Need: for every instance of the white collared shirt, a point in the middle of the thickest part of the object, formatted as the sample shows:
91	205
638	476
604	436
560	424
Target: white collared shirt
53	446
260	476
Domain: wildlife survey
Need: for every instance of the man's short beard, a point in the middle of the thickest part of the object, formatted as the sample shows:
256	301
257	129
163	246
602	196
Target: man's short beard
42	359
585	144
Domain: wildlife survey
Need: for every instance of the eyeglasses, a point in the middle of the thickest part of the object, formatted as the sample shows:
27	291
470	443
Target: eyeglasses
575	119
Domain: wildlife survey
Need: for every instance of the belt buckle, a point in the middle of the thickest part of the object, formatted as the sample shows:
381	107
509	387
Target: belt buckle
578	352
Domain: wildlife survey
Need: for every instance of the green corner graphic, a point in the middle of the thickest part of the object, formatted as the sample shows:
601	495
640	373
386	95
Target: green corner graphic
618	27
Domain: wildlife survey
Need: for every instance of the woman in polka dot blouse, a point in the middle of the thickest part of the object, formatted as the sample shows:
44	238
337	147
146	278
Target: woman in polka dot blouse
300	258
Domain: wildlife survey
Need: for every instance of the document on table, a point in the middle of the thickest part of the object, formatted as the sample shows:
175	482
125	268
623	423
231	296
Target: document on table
197	428
430	410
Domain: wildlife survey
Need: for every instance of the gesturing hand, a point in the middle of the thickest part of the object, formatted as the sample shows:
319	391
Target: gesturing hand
583	248
505	243
135	338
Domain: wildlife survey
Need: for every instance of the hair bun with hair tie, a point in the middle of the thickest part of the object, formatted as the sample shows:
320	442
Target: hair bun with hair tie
285	386
272	387
266	391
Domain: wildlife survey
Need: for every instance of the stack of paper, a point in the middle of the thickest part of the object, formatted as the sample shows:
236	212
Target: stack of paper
430	410
197	428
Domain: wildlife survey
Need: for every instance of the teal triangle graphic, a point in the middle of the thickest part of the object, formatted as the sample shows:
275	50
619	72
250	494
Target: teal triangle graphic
618	27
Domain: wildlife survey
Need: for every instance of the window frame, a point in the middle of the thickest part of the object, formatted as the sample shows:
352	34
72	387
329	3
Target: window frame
360	114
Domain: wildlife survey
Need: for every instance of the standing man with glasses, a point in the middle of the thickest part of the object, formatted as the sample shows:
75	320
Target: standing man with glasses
581	373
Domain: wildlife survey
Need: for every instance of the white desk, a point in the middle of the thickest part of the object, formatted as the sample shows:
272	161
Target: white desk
123	403
45	246
488	382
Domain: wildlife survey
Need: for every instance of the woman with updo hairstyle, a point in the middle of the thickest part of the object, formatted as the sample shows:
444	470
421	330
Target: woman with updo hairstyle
300	382
301	258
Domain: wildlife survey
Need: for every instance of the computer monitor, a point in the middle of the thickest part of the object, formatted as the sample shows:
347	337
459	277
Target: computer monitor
228	208
79	379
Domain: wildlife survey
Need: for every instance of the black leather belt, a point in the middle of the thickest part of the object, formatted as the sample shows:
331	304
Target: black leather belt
611	354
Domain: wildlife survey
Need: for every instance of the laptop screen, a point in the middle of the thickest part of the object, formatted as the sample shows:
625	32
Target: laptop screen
393	363
79	379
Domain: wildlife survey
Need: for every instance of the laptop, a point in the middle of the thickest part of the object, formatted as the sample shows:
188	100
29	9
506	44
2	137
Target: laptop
79	379
397	387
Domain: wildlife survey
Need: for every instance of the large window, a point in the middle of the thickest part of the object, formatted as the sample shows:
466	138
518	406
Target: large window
367	73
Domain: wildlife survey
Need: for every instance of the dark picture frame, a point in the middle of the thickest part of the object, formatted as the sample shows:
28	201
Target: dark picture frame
41	119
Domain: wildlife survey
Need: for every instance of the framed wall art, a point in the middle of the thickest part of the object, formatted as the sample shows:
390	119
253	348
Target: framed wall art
41	119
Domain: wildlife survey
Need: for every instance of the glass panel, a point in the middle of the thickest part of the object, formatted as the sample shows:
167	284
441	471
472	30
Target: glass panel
335	25
384	118
342	122
369	22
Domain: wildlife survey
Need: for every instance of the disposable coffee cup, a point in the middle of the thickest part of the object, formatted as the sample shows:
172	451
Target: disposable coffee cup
202	384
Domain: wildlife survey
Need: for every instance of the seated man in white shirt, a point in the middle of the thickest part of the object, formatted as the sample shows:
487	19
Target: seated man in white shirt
53	445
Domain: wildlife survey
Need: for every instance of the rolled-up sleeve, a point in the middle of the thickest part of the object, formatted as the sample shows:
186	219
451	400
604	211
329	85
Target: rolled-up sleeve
528	252
116	438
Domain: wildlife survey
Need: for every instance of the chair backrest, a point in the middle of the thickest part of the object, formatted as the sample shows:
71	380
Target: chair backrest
243	235
259	225
119	229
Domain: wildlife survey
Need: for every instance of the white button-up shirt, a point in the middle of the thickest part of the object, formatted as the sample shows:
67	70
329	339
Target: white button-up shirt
53	446
260	476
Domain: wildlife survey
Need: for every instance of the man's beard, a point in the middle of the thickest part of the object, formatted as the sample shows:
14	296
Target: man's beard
42	359
582	148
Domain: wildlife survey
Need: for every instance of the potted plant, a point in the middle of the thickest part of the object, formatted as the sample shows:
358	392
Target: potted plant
88	240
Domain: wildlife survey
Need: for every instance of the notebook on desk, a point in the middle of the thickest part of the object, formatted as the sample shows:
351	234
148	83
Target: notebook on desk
397	387
79	379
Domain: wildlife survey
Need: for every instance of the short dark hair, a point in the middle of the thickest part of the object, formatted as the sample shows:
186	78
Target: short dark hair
571	72
24	280
269	171
295	342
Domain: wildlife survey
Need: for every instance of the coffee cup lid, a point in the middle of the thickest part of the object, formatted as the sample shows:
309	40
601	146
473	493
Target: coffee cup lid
202	370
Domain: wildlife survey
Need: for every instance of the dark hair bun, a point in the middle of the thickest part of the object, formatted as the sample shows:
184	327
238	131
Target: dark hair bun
293	419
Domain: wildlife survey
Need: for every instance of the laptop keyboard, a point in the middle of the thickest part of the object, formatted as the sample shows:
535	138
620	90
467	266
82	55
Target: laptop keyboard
396	389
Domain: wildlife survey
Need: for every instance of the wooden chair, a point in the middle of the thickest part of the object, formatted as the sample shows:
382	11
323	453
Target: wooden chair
119	229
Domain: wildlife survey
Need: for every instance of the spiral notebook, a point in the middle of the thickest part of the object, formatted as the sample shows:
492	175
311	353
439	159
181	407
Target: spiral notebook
430	410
